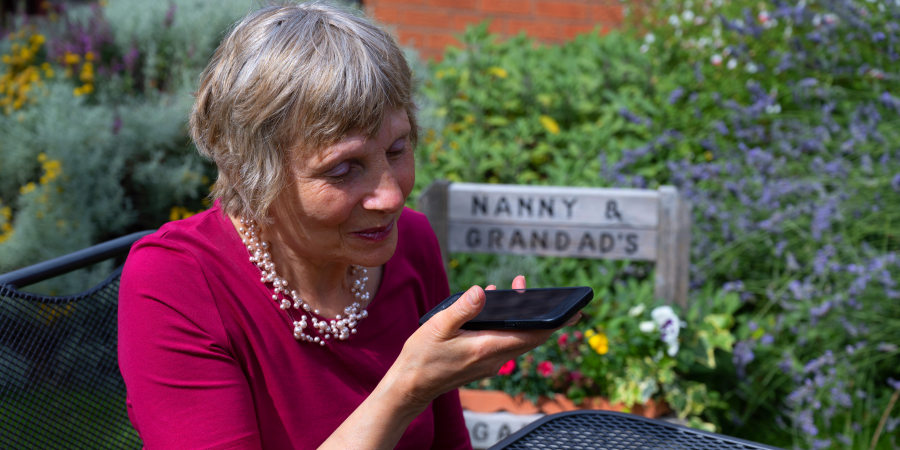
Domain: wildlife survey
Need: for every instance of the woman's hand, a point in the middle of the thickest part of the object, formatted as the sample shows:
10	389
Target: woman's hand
440	356
437	358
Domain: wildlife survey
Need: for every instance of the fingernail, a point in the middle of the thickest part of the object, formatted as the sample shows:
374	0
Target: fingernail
472	296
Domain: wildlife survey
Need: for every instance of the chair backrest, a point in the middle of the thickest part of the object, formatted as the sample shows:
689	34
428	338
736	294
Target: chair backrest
60	385
575	222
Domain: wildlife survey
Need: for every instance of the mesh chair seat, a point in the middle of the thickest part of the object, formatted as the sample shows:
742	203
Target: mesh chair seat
607	430
60	385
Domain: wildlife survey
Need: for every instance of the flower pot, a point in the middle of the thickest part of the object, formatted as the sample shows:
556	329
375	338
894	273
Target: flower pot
494	401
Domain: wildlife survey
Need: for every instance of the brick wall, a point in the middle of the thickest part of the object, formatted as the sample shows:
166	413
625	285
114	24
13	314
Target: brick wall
430	25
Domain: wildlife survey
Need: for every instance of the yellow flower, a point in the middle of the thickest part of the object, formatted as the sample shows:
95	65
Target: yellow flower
708	156
87	88
549	124
27	188
77	92
89	56
71	58
498	72
600	343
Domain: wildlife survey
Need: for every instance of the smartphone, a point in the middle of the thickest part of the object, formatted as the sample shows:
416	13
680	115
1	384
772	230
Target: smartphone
523	309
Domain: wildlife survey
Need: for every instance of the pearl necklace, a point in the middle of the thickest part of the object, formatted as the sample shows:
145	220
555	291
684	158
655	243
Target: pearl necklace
341	327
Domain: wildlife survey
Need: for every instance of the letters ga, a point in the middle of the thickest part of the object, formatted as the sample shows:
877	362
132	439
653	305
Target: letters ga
499	240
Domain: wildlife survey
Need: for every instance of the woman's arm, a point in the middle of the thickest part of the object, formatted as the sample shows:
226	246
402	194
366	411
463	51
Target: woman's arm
437	358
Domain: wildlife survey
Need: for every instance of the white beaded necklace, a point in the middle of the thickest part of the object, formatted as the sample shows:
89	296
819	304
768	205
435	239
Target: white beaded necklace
341	327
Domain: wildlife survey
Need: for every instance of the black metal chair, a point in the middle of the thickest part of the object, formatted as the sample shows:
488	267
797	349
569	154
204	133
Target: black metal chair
606	430
60	385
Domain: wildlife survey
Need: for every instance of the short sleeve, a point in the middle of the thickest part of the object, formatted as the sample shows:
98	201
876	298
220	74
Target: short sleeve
185	388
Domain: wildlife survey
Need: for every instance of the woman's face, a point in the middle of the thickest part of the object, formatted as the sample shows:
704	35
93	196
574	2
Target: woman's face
345	199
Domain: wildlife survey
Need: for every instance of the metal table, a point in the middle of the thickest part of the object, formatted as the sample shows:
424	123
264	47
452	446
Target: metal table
606	430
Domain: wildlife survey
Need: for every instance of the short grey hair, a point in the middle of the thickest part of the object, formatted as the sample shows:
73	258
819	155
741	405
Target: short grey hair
293	78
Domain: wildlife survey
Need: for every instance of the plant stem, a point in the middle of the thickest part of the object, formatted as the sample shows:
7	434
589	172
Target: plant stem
884	417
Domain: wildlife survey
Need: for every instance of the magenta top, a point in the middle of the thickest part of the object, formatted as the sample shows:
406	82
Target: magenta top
210	361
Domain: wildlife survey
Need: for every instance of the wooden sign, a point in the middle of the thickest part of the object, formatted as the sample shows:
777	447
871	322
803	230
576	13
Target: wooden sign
634	224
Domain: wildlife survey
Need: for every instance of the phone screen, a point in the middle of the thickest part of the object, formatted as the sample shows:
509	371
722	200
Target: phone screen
521	304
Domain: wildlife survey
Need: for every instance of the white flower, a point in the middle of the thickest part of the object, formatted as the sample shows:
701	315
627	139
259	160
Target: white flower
636	310
773	109
699	20
703	42
672	350
763	16
732	63
716	60
647	326
669	325
752	68
687	15
650	38
644	48
674	20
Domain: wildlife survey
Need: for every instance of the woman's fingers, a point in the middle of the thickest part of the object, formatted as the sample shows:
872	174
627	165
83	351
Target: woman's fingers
491	288
519	282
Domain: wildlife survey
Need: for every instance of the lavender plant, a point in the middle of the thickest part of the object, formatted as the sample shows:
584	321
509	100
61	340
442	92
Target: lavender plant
779	122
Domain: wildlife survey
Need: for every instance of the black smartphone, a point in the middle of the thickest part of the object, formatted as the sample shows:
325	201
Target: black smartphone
523	309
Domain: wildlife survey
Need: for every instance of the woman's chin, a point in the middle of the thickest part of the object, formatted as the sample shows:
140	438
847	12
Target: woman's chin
371	253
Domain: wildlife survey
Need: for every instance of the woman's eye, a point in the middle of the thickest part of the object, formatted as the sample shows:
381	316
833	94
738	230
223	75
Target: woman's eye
340	170
397	148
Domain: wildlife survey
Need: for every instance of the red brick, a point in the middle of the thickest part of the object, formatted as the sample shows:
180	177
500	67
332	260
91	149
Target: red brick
538	29
506	6
442	41
565	10
386	14
570	31
498	26
426	18
460	21
457	4
411	38
611	14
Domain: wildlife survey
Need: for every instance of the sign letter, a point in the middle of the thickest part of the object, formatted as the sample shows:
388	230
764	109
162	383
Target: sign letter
538	239
612	211
587	241
546	206
479	205
562	240
494	237
473	237
525	203
569	204
517	239
502	205
632	246
606	242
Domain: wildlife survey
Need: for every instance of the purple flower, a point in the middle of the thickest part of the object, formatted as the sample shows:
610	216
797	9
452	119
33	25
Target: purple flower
895	182
766	339
742	356
170	16
894	384
675	95
819	444
634	118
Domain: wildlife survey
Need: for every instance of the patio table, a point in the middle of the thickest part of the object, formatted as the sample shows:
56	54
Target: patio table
607	430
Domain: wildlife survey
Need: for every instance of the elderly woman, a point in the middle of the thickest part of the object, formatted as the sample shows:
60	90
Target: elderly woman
286	316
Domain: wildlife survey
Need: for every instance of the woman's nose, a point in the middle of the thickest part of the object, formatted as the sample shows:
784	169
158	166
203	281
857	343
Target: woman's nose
387	195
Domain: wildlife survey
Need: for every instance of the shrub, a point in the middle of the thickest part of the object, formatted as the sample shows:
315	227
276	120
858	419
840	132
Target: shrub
779	124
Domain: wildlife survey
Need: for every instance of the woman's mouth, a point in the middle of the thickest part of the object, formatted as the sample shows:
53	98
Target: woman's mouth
376	234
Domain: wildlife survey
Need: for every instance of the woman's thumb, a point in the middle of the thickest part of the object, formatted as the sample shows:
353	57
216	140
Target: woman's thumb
463	310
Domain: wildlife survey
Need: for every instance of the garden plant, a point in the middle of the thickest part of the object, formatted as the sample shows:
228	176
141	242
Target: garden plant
779	121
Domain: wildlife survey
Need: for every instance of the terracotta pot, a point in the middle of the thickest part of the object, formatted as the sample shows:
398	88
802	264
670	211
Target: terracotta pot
494	401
